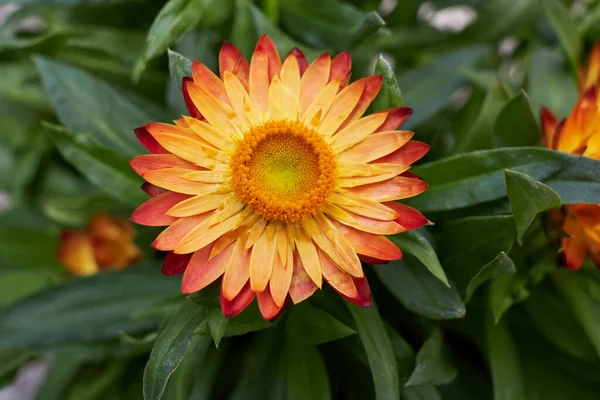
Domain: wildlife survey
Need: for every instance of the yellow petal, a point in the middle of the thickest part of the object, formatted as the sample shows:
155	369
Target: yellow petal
362	206
341	108
356	131
217	113
240	99
219	139
343	250
171	179
237	271
314	80
321	104
262	259
259	80
255	232
208	176
376	146
281	276
198	204
204	234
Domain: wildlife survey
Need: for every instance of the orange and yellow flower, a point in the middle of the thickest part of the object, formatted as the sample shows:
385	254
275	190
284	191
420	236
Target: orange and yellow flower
276	181
579	134
107	243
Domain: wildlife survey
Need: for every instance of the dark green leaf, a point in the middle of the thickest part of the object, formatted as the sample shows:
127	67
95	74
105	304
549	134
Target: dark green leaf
433	366
87	309
379	351
578	182
516	125
217	324
179	66
183	379
404	353
170	348
86	104
11	359
61	374
477	177
555	320
528	198
313	326
419	291
421	393
108	170
243	32
499	266
480	134
564	27
504	362
249	320
306	374
390	95
582	293
369	24
506	291
414	243
590	20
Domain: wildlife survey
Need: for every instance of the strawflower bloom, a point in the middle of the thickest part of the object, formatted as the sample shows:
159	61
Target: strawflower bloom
107	243
589	76
276	181
578	134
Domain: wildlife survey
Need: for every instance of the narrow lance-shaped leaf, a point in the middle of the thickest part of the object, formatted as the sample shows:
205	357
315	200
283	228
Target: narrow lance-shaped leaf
433	366
516	124
379	351
306	375
527	199
179	67
390	94
370	23
170	348
217	324
564	27
499	266
414	243
313	326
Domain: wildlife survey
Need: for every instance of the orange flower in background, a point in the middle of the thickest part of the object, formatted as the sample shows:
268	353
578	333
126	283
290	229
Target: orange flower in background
277	182
107	243
578	134
589	77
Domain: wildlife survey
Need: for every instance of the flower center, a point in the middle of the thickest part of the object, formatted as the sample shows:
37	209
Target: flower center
284	170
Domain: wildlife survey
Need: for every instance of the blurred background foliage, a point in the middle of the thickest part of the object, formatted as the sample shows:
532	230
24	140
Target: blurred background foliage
77	76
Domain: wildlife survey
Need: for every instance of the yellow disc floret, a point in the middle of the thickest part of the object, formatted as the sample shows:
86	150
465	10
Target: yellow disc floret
284	170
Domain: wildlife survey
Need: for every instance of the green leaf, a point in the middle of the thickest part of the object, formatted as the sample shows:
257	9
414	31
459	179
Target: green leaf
60	376
590	20
11	359
433	366
379	351
306	373
480	133
554	319
500	266
528	198
421	393
581	290
578	182
217	324
516	125
170	348
564	27
86	104
419	291
404	353
175	19
369	24
478	177
249	320
505	366
179	66
414	243
108	170
87	309
313	326
19	85
506	291
390	95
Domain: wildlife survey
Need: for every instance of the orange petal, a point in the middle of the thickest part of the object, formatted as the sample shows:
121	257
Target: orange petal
363	206
308	254
300	58
371	245
356	132
193	110
240	99
146	139
231	60
592	75
170	237
340	68
302	287
204	77
200	272
321	104
396	188
337	247
314	80
209	134
153	211
170	179
259	80
281	276
266	45
237	271
363	223
575	250
262	259
198	204
205	233
267	306
342	106
218	113
409	217
231	308
175	264
408	154
395	118
152	190
341	281
372	260
372	86
148	162
377	146
76	253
